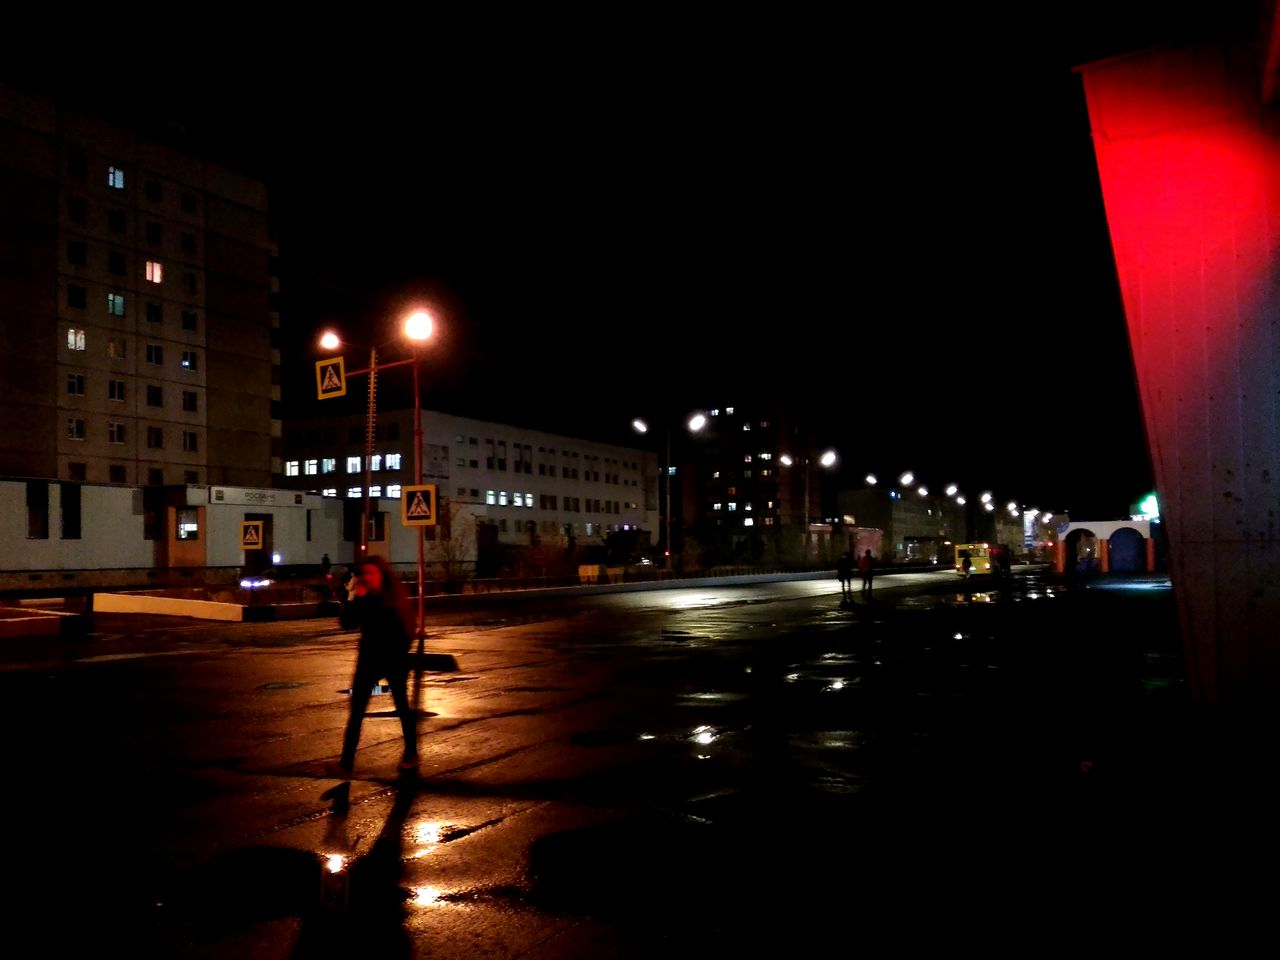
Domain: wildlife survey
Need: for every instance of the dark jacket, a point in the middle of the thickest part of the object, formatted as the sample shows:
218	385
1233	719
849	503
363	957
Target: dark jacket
384	641
844	567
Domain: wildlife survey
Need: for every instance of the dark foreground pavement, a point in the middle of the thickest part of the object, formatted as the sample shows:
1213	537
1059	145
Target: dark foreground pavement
750	771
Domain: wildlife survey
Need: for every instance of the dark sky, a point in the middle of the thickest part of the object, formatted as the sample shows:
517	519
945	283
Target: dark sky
894	219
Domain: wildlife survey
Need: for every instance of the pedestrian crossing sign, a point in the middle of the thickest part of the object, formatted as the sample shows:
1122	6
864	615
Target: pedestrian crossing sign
331	378
418	506
251	535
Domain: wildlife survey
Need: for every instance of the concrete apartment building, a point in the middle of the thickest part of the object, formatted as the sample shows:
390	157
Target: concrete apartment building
136	319
529	486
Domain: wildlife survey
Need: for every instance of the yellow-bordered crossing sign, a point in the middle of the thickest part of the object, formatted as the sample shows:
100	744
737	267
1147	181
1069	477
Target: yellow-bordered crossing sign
251	535
418	505
331	378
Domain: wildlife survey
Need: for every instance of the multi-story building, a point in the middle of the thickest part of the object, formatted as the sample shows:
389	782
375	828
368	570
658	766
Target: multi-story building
135	318
530	486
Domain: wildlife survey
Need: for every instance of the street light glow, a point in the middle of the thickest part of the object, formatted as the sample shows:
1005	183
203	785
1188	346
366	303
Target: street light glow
329	340
988	506
786	460
1013	506
697	422
907	479
418	325
923	491
828	458
639	426
1047	517
986	497
960	500
871	479
951	490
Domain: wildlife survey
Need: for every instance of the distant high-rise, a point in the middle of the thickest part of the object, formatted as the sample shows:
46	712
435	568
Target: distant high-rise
136	313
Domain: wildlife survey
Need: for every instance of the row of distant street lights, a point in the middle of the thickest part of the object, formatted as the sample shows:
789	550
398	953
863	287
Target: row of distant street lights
908	479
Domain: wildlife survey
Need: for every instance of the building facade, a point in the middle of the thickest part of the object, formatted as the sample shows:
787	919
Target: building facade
530	487
135	312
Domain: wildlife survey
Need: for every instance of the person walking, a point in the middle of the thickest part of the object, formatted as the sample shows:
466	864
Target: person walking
844	570
866	564
378	604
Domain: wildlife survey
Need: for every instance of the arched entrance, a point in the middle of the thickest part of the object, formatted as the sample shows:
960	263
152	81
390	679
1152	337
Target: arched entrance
1082	552
1128	551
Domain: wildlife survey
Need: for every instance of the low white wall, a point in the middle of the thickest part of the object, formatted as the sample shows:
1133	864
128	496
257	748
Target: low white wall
171	606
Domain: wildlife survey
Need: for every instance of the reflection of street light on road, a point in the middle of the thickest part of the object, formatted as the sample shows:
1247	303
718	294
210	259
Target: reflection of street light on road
695	423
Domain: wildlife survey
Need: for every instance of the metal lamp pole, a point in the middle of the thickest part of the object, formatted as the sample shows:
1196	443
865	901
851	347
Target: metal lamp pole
805	518
371	415
668	517
417	474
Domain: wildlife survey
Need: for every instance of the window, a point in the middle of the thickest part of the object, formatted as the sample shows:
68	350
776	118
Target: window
190	441
69	495
155	396
375	462
329	492
291	468
769	504
115	178
115	304
77	252
189	243
768	521
37	509
75	428
191	404
746	426
716	506
490	497
188	319
115	432
473	463
392	461
528	498
328	464
116	221
393	491
732	507
747	458
462	461
517	499
154	233
502	498
747	507
115	390
77	209
729	411
75	384
671	471
188	523
749	522
115	261
355	491
116	473
732	491
188	359
462	491
353	464
189	281
75	295
375	490
155	477
188	203
155	438
311	467
155	271
542	469
155	313
116	348
155	354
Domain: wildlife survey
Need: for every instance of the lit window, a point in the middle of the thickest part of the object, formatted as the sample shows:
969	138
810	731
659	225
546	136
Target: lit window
716	475
764	424
747	507
747	458
291	468
746	426
731	491
329	492
716	506
328	465
375	490
115	304
490	497
155	272
75	339
375	462
769	504
517	499
748	522
188	523
715	413
393	491
671	471
355	491
353	464
115	178
189	359
765	473
502	498
528	499
768	521
393	461
766	456
729	411
733	507
311	467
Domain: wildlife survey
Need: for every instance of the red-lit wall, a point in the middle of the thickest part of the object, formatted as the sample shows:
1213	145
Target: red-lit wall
1189	160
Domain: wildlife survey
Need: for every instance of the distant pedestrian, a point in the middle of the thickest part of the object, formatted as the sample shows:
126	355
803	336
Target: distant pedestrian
866	564
378	604
325	564
844	570
966	564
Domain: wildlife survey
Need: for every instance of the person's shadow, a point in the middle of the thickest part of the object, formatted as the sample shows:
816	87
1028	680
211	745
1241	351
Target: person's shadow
369	917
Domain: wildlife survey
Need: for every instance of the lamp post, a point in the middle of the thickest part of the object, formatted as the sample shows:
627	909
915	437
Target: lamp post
418	327
695	423
827	459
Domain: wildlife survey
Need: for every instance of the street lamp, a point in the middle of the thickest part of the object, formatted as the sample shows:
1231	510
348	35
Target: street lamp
695	423
417	329
826	459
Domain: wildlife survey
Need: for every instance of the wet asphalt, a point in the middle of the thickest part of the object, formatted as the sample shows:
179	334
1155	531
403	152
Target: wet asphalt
709	771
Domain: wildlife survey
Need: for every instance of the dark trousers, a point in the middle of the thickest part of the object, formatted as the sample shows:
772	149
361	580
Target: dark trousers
361	689
866	582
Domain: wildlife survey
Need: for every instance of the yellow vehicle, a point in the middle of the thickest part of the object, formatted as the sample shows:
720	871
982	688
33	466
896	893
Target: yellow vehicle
978	555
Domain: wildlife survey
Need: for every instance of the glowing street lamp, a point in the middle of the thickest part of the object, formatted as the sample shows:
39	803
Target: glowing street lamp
907	479
786	460
871	479
986	497
952	489
826	459
923	491
695	423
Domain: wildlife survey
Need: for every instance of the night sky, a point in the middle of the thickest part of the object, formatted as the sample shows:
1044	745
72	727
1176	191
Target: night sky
892	219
